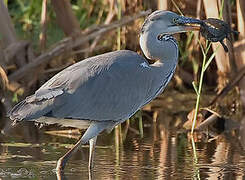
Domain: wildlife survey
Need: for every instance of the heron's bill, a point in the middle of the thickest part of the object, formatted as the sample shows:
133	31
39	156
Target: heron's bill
187	24
192	28
181	28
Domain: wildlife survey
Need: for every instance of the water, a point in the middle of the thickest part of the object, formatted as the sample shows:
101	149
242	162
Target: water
166	151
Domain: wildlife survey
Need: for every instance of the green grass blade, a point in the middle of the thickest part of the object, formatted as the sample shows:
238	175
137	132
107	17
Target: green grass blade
202	49
210	59
195	87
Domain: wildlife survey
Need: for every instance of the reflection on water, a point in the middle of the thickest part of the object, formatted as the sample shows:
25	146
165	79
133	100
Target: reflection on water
165	152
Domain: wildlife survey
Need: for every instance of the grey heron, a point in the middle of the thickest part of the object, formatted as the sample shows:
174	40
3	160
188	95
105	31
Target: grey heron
107	89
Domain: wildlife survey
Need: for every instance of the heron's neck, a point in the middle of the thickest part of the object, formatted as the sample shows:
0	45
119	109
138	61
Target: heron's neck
166	66
164	70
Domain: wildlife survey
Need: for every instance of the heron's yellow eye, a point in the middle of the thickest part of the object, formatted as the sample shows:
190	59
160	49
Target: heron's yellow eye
175	20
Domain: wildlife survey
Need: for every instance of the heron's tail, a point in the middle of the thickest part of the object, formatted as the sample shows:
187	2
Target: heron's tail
28	110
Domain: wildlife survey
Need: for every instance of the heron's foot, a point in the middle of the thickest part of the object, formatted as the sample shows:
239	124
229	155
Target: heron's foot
60	165
90	166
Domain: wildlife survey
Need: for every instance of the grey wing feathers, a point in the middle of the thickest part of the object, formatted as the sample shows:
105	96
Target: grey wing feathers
48	93
29	110
98	88
114	94
35	106
42	102
14	112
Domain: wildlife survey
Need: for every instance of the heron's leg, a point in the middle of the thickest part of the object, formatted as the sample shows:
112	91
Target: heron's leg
91	133
92	143
62	161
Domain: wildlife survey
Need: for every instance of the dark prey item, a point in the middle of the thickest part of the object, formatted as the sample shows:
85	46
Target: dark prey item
212	29
216	30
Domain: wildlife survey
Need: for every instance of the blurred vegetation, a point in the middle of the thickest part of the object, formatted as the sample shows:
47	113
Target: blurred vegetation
26	14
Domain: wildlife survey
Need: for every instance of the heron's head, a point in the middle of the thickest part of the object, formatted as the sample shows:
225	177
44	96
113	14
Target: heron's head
156	40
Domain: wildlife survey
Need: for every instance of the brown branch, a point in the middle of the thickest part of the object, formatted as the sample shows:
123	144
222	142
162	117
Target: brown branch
233	82
228	19
8	35
65	17
13	49
4	84
239	46
66	45
3	79
108	20
68	22
43	35
9	40
207	122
